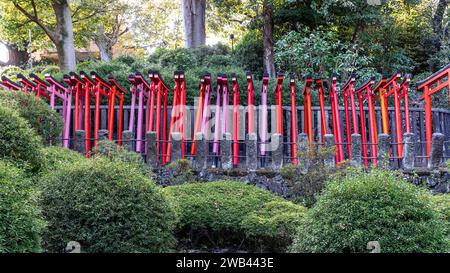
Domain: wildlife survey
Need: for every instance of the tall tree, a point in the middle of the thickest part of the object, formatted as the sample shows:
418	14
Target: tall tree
194	12
60	31
268	58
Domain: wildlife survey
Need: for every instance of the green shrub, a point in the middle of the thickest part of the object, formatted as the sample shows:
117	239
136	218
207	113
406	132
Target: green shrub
114	152
18	142
211	213
442	204
20	218
47	123
182	172
54	157
274	226
106	206
375	206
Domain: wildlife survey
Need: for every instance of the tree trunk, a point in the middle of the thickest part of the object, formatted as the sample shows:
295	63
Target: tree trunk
194	12
439	16
64	41
269	65
16	56
104	47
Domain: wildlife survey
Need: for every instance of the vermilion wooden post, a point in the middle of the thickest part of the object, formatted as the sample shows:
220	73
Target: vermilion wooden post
323	119
102	88
336	119
279	103
347	92
152	92
198	116
182	109
250	104
431	85
307	117
263	130
174	126
293	122
88	90
403	93
236	94
380	93
119	92
393	89
206	105
217	116
364	92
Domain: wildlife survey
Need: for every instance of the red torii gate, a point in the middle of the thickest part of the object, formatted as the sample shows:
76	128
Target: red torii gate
116	91
431	85
307	117
348	91
365	92
398	91
334	101
9	84
323	119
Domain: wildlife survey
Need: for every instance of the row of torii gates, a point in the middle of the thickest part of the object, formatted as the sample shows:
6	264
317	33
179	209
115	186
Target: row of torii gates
150	96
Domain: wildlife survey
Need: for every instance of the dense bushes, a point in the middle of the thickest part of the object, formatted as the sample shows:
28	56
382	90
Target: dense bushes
274	225
211	213
18	142
46	122
114	152
107	206
20	218
375	206
54	157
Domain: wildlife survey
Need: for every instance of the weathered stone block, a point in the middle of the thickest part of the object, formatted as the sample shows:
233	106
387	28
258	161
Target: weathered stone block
152	159
303	148
437	151
201	155
251	144
329	156
128	140
103	134
80	141
225	152
175	144
383	151
277	151
355	150
408	151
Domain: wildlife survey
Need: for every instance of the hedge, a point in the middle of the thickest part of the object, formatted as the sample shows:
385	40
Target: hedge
18	142
106	206
20	218
375	206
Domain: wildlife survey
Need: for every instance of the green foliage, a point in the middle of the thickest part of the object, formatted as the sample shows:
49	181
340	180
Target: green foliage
18	142
211	213
55	157
46	122
319	51
249	52
375	206
114	152
442	204
274	226
106	206
20	218
182	172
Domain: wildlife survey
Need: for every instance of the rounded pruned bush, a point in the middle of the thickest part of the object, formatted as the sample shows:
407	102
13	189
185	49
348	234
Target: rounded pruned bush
211	213
106	206
54	157
273	227
374	206
46	122
114	152
20	218
18	142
